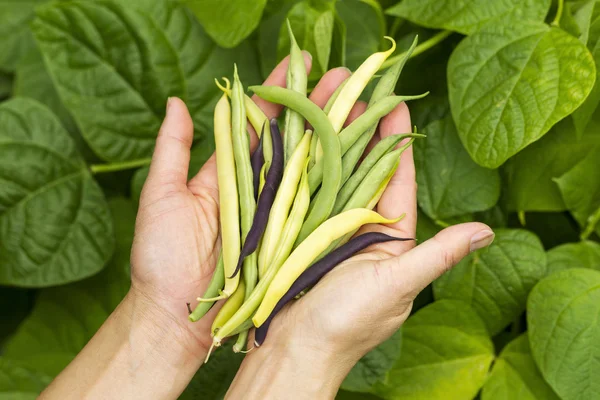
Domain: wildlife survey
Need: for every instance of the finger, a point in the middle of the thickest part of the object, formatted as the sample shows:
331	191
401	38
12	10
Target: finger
328	84
357	110
277	78
422	265
171	158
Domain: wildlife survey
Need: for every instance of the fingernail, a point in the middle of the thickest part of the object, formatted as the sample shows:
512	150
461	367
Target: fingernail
347	69
482	239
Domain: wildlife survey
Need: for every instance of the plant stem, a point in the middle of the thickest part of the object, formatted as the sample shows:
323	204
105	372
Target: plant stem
591	225
559	11
120	166
423	47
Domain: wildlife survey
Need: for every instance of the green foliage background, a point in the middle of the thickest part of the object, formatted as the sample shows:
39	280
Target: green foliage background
513	140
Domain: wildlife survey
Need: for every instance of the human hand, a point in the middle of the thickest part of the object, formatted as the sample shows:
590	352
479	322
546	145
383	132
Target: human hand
363	301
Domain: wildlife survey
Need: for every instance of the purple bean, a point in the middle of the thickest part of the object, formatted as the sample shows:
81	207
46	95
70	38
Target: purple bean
314	273
257	161
265	199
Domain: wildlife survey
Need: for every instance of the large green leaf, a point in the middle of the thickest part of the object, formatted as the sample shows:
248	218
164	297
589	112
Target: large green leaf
54	222
584	254
510	83
66	317
15	37
515	375
228	22
373	367
564	332
450	183
198	156
446	353
580	188
496	281
589	21
17	382
466	16
530	174
114	68
365	25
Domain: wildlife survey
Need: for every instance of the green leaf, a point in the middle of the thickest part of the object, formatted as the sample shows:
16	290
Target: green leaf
426	228
59	326
6	85
54	221
323	36
18	382
15	37
496	281
510	83
366	24
446	353
589	19
450	183
228	22
584	254
530	184
515	375
564	332
214	378
431	108
374	365
199	154
580	188
115	70
15	305
466	16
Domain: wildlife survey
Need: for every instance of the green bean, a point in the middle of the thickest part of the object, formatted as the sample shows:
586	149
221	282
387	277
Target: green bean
368	164
257	119
244	326
290	232
331	146
313	151
283	201
228	195
215	285
353	132
334	96
296	80
384	88
354	87
232	304
303	256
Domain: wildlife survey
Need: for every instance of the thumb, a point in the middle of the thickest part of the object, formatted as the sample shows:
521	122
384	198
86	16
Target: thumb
420	266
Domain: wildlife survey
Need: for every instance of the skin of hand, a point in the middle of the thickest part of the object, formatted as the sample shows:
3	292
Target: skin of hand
148	349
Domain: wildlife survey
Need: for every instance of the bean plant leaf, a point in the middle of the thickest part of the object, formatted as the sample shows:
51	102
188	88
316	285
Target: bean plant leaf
6	85
496	281
588	17
374	365
199	154
585	254
446	353
530	174
54	222
515	375
580	188
228	22
466	16
116	70
510	83
59	327
15	37
564	332
18	382
450	183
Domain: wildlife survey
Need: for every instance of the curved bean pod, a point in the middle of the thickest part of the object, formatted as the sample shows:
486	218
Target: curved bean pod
315	272
384	88
296	80
331	145
349	135
290	232
266	197
368	164
283	201
232	304
309	249
215	285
